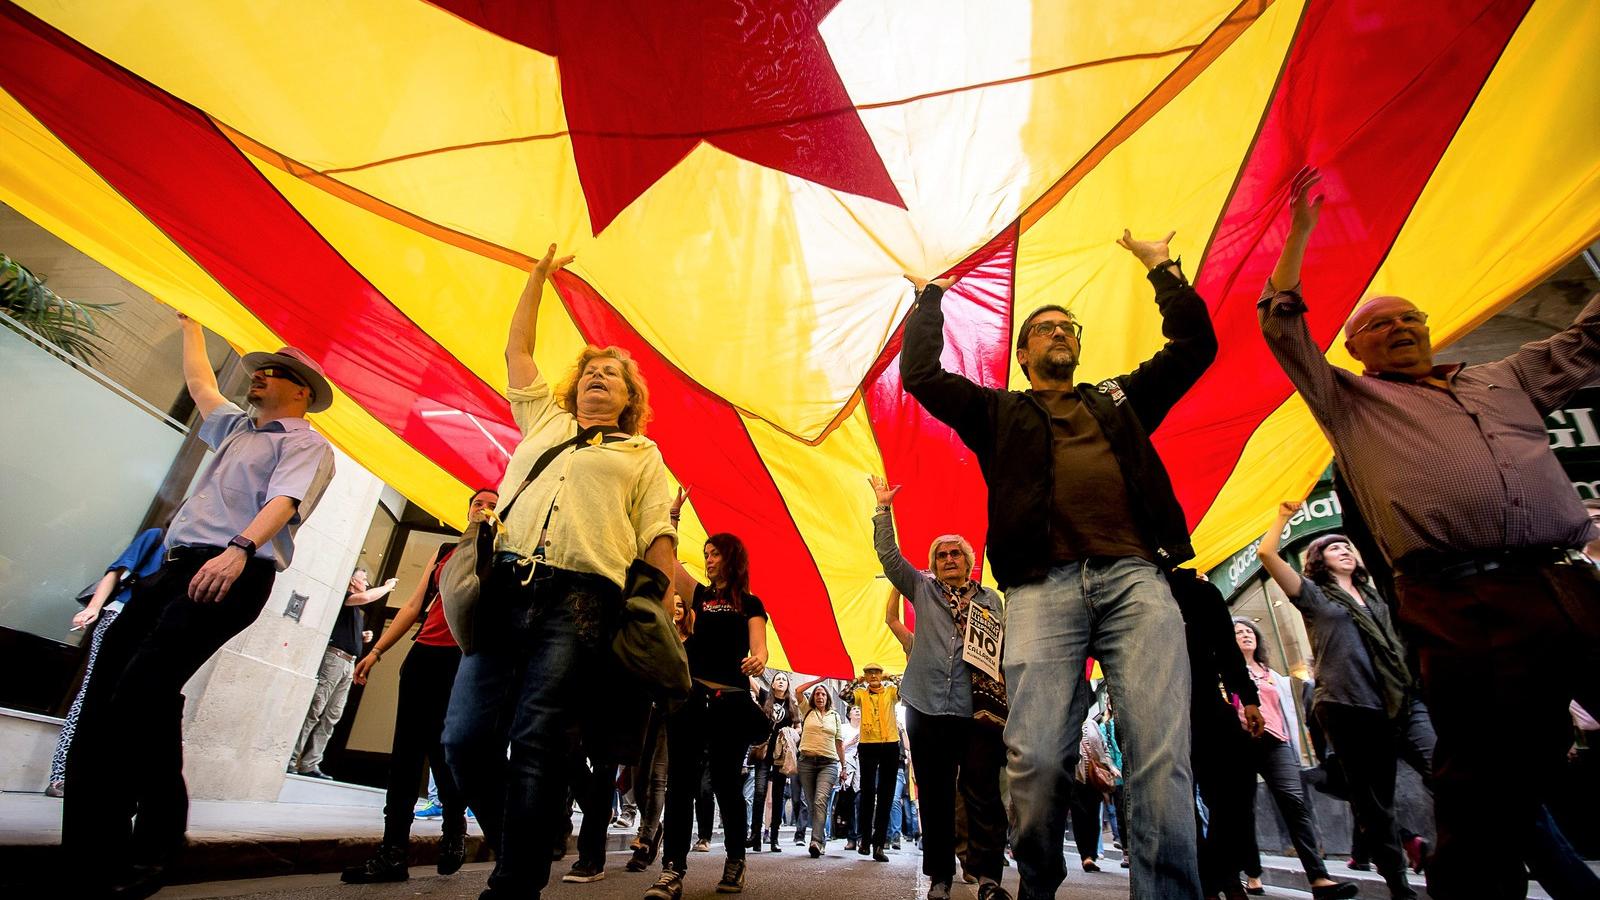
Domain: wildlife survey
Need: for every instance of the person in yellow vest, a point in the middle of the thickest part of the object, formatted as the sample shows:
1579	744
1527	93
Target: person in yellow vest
879	755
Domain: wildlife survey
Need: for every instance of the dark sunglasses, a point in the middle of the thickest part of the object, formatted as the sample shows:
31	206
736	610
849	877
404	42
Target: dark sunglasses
286	374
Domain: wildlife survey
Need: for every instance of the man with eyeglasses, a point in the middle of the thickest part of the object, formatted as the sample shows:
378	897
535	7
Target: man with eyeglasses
223	549
1451	468
1083	523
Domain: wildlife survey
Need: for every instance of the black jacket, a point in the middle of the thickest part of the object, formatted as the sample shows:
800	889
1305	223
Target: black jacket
1214	657
1009	431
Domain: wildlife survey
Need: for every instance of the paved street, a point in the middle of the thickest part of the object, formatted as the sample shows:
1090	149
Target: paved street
787	876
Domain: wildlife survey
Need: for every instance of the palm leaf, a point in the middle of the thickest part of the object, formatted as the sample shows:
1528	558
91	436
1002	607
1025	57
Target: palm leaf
68	324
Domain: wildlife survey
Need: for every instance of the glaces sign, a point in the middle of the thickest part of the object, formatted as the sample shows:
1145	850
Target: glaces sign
1321	512
1575	438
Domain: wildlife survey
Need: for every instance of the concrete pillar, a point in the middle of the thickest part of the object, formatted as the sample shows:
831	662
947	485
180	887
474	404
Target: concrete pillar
245	707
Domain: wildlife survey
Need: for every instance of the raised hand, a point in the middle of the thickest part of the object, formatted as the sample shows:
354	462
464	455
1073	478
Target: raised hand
918	282
551	263
1303	208
677	502
881	488
1151	253
1288	508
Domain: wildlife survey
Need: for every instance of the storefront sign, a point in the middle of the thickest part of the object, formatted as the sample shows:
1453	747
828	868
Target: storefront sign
1320	513
1575	439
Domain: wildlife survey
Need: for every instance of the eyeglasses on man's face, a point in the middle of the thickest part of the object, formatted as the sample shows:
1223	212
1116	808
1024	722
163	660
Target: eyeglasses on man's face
1384	324
1072	327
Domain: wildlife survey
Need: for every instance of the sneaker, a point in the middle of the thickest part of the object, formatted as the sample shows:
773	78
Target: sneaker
896	844
816	849
732	877
431	811
668	887
388	864
452	853
879	855
702	846
583	872
991	890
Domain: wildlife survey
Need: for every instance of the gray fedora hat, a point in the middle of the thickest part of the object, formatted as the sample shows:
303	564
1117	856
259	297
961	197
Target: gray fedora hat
296	360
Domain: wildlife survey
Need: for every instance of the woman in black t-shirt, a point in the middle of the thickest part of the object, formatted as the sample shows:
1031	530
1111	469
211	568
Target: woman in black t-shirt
782	711
727	644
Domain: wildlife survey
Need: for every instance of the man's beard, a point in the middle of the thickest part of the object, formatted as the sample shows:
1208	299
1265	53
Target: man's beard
1056	368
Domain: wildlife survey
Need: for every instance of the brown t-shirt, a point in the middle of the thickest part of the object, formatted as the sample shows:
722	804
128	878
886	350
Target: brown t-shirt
1090	514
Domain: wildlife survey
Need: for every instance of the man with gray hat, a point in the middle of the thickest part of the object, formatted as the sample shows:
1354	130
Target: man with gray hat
223	548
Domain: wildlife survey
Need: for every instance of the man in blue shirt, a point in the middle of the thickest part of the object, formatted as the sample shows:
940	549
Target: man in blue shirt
223	549
951	749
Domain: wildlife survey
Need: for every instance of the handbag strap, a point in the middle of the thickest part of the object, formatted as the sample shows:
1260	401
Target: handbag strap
584	436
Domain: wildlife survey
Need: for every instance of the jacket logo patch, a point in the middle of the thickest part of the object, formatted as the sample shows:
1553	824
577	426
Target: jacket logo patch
1112	389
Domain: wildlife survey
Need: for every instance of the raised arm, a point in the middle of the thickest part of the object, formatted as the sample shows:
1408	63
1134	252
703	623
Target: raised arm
1552	370
1162	380
197	374
682	581
403	619
520	368
1282	310
901	573
362	598
950	398
1267	551
891	617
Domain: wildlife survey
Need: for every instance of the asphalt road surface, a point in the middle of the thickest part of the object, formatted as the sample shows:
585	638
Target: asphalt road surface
791	875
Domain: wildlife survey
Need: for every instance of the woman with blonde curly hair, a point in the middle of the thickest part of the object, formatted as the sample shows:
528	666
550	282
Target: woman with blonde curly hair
585	494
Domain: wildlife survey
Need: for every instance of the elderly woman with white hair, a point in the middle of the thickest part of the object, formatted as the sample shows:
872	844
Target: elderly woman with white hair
953	721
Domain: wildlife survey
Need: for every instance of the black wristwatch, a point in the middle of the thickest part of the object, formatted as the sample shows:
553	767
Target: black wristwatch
243	543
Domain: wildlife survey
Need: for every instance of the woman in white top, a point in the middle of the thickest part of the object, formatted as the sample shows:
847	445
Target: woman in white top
538	650
821	749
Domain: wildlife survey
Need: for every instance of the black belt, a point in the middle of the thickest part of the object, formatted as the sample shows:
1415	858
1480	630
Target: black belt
191	550
1426	565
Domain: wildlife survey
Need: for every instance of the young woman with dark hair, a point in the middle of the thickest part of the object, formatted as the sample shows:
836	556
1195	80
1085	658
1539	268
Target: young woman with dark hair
1365	698
1275	756
783	712
727	643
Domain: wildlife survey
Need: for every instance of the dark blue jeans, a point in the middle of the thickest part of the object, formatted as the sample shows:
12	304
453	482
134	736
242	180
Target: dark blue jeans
542	657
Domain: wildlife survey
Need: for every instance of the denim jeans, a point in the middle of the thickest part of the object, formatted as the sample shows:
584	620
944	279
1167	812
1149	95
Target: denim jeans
1121	612
542	655
818	775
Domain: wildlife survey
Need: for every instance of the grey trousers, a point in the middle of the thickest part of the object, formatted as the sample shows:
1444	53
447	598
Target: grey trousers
327	706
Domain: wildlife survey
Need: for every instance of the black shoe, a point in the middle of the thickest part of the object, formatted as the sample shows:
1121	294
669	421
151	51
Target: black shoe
1090	866
816	849
1257	891
991	890
776	848
864	848
584	871
754	846
315	773
895	844
732	877
452	853
1339	890
879	855
1359	866
668	887
142	882
388	864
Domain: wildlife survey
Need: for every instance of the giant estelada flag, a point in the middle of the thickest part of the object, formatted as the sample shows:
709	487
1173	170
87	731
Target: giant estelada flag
745	181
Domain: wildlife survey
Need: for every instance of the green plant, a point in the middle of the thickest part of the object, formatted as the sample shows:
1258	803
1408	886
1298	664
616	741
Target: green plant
70	325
